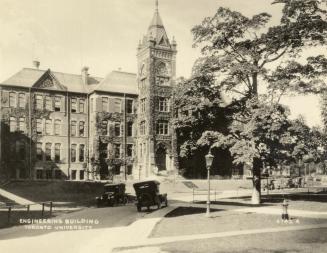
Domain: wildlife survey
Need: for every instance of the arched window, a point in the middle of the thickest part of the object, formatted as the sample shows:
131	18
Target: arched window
12	99
22	125
13	124
48	127
57	152
73	128
48	151
81	128
57	127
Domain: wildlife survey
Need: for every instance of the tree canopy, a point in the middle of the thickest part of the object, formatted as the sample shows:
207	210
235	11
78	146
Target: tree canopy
240	57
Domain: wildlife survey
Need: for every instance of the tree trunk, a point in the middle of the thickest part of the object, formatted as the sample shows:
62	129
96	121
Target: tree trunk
256	191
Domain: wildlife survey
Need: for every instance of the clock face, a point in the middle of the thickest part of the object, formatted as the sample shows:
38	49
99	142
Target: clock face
162	69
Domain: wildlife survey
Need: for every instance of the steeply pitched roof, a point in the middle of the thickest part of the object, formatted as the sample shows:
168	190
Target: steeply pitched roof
157	30
27	77
120	82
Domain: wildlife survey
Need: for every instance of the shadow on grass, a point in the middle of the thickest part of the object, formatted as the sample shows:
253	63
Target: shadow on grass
235	203
182	211
277	198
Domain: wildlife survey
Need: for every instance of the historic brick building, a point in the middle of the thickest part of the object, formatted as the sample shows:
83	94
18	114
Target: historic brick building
65	126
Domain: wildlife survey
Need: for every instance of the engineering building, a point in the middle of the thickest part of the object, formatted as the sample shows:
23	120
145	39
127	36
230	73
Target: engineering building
78	127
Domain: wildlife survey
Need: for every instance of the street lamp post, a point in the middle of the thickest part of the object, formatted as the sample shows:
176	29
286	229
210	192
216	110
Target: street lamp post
209	158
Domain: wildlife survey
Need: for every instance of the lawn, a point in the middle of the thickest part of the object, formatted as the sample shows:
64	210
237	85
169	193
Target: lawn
192	220
306	241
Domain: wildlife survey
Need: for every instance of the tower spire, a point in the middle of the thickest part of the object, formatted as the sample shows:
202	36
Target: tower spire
157	5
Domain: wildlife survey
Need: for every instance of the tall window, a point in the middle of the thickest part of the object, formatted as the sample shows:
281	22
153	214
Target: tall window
105	127
57	152
48	127
81	105
143	83
129	106
48	151
57	127
117	129
81	152
39	127
81	128
129	150
141	150
142	104
12	124
142	128
91	104
163	105
57	104
73	128
73	105
81	174
129	129
74	172
105	104
39	155
39	102
21	100
22	125
163	128
21	150
117	150
12	99
48	103
117	105
73	153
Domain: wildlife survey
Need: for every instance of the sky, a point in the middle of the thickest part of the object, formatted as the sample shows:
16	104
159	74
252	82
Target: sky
65	35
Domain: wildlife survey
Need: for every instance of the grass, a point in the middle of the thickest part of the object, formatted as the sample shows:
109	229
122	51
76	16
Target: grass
306	241
192	220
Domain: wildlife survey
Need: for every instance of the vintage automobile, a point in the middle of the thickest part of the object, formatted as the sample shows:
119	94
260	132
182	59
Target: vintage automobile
147	194
114	194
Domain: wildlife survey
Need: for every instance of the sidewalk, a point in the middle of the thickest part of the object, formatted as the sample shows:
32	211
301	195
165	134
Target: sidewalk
20	201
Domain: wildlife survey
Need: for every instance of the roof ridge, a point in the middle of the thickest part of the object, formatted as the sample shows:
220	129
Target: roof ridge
59	72
125	72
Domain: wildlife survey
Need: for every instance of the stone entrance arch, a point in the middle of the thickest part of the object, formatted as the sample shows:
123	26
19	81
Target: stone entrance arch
161	154
163	158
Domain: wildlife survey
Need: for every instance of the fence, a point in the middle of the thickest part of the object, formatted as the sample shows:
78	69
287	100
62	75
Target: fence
198	192
11	208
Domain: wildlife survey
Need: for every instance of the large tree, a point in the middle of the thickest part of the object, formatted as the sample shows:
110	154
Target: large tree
243	54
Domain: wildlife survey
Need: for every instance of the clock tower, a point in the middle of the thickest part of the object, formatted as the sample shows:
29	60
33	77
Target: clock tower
156	57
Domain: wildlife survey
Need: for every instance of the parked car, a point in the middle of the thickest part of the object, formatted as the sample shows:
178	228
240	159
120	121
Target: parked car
114	194
147	194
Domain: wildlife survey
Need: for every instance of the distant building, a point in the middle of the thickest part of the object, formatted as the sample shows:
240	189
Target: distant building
65	126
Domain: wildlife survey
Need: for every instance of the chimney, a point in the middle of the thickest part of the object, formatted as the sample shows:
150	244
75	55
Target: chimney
85	75
36	64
